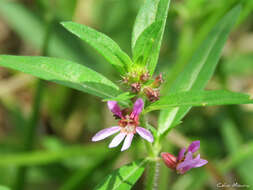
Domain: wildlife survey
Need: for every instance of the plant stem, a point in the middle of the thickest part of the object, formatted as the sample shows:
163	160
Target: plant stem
29	135
152	176
154	166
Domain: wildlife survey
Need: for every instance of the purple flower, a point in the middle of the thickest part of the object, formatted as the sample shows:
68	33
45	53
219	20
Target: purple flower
128	126
184	162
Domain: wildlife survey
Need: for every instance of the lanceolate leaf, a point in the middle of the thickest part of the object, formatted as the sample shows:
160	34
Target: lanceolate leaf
200	98
102	43
142	53
62	72
151	11
200	69
123	178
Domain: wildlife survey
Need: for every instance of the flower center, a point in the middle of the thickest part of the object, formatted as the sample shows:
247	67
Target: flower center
128	125
128	121
129	129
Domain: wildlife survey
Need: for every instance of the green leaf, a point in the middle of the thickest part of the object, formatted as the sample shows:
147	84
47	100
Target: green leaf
62	72
151	11
102	43
142	53
200	69
200	98
123	178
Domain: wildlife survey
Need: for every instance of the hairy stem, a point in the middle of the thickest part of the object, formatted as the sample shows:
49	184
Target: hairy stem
152	176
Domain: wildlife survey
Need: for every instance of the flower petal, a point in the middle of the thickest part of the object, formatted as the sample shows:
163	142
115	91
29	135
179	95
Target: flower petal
184	169
105	133
194	146
181	154
185	166
114	107
117	140
197	157
200	163
127	142
144	133
189	156
188	161
138	106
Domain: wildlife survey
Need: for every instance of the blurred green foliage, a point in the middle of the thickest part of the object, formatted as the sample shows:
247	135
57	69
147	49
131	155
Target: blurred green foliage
63	156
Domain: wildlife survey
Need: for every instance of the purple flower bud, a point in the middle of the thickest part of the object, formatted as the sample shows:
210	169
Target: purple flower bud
170	160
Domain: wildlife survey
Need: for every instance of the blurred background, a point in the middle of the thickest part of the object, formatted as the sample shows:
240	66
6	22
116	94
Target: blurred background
47	145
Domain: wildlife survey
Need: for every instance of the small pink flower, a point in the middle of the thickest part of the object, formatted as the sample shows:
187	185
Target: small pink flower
184	162
128	126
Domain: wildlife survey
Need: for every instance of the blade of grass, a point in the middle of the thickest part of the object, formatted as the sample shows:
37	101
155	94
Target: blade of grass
189	43
4	188
44	157
24	22
233	142
200	69
29	137
30	130
82	176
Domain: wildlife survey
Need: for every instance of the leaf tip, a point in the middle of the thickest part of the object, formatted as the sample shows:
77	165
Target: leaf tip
64	23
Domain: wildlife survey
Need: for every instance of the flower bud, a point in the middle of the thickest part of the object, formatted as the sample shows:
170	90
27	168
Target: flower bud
158	81
136	87
169	159
152	95
144	77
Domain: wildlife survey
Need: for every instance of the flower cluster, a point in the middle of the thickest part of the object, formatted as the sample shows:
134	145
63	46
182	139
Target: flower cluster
184	161
141	83
128	126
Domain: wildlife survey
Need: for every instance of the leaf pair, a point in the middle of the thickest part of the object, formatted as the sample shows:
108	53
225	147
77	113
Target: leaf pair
146	39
